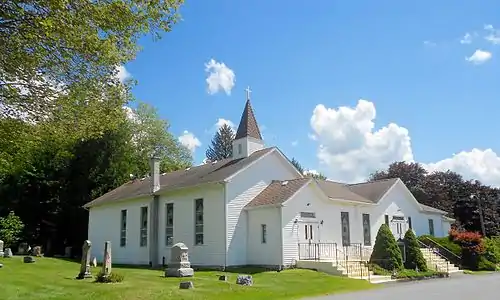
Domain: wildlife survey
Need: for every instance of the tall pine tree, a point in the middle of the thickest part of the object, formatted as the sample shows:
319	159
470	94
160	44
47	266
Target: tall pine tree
222	144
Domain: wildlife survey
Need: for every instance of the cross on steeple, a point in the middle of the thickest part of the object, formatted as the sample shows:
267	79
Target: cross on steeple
248	92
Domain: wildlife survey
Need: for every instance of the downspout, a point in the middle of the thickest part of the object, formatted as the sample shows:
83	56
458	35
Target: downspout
282	262
225	224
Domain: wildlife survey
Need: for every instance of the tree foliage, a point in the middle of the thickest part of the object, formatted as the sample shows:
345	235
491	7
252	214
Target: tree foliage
386	252
464	200
414	257
222	144
300	168
70	51
11	227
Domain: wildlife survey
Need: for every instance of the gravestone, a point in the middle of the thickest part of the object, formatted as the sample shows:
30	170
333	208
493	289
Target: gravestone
37	251
94	262
1	266
67	251
179	265
1	248
22	249
244	280
28	259
106	265
186	285
85	263
223	278
7	253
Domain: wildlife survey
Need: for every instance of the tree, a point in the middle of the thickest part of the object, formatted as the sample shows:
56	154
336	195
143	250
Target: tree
412	174
297	165
386	252
312	174
11	227
51	48
414	257
222	144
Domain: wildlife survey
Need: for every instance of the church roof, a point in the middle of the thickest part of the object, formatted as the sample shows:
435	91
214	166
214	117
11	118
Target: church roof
248	124
373	190
207	173
278	192
338	190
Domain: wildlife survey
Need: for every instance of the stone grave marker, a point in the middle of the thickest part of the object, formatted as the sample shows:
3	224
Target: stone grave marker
28	259
37	251
179	265
67	251
8	253
22	249
85	263
1	248
186	285
94	262
106	266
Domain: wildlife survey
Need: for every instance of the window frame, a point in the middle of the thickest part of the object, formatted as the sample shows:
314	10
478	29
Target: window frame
199	236
169	226
143	230
263	233
431	227
123	228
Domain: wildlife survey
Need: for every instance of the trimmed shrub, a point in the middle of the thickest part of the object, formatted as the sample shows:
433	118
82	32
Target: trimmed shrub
492	249
111	278
472	248
484	264
386	252
414	257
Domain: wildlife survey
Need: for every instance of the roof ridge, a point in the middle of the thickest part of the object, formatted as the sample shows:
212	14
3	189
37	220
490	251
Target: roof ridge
368	182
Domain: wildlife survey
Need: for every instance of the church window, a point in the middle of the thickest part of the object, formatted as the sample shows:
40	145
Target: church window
144	226
239	148
409	223
387	220
169	224
431	227
366	230
198	223
123	228
263	233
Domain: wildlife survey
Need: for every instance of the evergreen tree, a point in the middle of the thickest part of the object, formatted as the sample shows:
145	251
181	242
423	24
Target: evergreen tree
222	144
386	252
414	257
306	173
297	165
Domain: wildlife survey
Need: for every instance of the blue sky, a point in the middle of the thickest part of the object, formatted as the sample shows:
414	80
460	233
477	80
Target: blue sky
405	59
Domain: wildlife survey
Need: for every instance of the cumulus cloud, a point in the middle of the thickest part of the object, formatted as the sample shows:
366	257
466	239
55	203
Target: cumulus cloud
349	148
219	77
493	35
479	57
467	39
295	143
220	122
122	73
188	140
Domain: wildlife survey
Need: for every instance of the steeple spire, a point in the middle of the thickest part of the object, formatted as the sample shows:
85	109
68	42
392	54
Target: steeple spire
248	124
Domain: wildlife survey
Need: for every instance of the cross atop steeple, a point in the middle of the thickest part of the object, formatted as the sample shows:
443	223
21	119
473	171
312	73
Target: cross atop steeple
248	90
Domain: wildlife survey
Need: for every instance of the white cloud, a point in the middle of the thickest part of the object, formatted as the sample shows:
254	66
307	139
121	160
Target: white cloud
220	122
312	172
429	43
349	148
467	39
122	74
295	143
188	140
479	57
493	35
219	77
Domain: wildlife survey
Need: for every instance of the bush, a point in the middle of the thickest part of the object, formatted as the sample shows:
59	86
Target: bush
446	242
111	278
472	245
414	257
386	252
412	274
492	249
11	227
484	264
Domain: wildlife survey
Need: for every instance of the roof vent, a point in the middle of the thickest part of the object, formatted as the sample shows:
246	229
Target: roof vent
284	183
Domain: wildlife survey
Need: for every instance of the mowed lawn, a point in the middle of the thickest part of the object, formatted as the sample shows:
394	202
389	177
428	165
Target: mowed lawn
51	278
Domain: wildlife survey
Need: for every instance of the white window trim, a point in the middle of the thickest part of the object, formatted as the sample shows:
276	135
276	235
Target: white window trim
197	225
143	231
171	226
123	228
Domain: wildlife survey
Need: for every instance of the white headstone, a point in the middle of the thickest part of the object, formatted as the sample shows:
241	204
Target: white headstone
179	265
85	263
8	253
1	248
106	266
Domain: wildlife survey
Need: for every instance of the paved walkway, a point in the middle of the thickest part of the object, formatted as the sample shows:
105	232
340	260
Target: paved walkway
461	287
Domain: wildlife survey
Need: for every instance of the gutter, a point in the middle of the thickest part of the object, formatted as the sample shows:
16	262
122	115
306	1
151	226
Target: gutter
224	185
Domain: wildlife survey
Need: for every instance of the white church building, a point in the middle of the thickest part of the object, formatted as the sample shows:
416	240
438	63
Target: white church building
255	208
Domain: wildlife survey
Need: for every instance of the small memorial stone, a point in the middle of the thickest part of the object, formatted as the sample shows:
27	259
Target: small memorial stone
179	265
223	278
8	253
67	251
186	285
37	251
28	259
94	262
1	266
244	280
106	265
22	249
85	263
1	248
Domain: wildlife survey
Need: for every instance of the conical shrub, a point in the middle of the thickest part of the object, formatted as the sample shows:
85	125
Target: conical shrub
414	257
386	252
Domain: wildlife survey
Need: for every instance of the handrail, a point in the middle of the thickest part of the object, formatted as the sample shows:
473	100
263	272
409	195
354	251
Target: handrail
438	254
456	259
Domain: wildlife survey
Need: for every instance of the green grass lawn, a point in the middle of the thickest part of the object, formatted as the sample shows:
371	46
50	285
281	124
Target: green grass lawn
50	278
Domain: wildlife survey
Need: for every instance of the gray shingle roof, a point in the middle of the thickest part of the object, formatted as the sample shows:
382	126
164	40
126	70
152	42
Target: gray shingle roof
338	190
430	209
373	190
207	173
278	192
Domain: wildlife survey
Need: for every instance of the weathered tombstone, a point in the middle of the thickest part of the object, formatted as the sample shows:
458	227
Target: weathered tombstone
244	280
22	249
37	251
94	262
85	263
186	285
106	266
1	248
179	265
28	259
1	266
8	253
223	278
67	251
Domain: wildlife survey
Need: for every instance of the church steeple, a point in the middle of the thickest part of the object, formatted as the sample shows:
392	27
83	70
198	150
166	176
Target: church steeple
248	138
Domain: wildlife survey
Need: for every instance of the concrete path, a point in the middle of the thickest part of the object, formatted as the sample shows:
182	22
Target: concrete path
459	287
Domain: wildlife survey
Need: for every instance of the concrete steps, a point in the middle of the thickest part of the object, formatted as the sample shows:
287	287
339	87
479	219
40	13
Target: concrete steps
351	269
438	263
